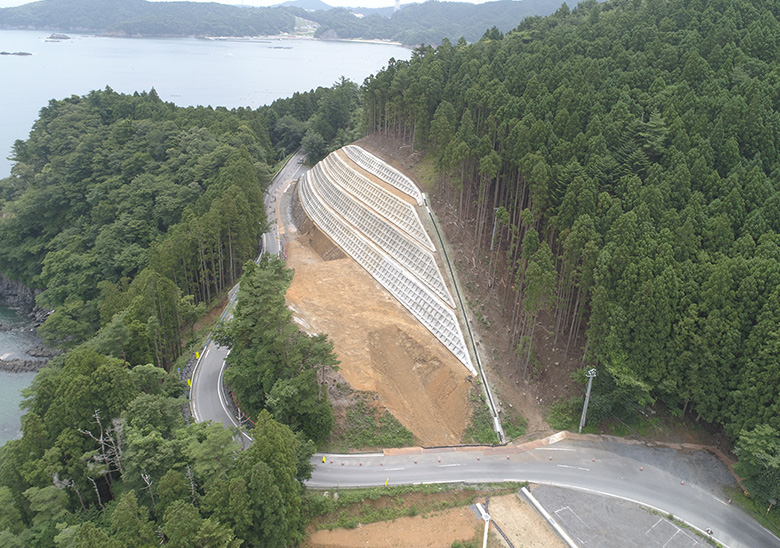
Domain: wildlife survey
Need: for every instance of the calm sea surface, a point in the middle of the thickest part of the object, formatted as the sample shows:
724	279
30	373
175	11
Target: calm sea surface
185	71
13	344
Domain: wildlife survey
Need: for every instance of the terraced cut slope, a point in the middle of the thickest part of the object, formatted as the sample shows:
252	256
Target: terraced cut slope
384	234
382	347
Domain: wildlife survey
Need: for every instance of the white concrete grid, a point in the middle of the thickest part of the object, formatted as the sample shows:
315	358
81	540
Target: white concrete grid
388	174
410	254
394	209
422	303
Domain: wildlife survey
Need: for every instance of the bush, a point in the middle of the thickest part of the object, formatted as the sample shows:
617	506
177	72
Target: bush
481	428
366	427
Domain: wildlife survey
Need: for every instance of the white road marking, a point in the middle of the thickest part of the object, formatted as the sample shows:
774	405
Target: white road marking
392	469
447	465
574	467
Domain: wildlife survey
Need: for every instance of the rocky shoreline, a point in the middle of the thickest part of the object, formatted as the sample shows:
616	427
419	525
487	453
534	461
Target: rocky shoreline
22	366
18	296
39	358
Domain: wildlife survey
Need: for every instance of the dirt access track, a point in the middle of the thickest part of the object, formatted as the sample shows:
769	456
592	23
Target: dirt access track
381	346
522	525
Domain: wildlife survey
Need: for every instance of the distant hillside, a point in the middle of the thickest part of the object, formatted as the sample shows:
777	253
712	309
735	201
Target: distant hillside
384	12
432	21
142	18
308	5
413	24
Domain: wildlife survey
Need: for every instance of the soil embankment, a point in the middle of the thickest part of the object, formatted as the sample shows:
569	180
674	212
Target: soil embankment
382	347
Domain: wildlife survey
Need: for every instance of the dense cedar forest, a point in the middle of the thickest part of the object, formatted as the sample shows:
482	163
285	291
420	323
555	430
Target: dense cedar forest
273	365
628	155
132	216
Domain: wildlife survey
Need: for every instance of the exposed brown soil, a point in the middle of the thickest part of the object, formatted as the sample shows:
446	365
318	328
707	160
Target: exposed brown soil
211	315
552	379
437	530
522	524
382	347
518	520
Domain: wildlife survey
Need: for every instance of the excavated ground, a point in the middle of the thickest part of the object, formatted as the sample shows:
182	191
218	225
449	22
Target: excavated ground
519	521
382	347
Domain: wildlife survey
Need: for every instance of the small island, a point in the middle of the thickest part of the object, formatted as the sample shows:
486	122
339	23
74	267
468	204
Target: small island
20	53
56	36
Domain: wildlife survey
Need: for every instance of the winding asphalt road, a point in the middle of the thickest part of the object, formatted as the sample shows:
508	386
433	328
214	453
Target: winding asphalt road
207	401
580	465
587	466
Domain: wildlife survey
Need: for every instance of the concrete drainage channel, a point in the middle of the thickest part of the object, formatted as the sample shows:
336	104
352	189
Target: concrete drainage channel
554	524
493	409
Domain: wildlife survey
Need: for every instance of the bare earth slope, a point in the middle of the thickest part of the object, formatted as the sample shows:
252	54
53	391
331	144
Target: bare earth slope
382	347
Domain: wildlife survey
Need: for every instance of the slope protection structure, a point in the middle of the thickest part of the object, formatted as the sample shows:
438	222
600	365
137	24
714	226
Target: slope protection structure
382	232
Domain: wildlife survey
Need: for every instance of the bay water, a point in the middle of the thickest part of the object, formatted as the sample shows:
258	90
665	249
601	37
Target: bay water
185	71
16	337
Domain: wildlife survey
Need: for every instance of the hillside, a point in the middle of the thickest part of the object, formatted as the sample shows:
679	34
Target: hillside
432	21
133	217
142	18
419	23
616	168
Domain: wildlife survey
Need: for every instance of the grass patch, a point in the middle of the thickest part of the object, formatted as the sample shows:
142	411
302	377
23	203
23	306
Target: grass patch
425	173
467	544
478	310
564	414
757	509
514	424
481	428
366	427
348	508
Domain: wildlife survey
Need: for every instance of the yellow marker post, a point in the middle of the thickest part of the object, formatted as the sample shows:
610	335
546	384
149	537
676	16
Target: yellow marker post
189	382
386	481
197	355
323	460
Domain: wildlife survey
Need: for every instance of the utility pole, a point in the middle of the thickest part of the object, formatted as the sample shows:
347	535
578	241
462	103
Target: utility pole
590	374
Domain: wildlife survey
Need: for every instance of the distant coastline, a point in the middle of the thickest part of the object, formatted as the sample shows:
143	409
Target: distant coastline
18	53
263	38
282	37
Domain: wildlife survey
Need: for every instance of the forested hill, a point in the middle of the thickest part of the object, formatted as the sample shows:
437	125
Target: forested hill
134	216
628	154
420	23
432	21
113	195
142	18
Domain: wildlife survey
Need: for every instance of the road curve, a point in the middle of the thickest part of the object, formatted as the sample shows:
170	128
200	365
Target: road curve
566	464
570	464
207	401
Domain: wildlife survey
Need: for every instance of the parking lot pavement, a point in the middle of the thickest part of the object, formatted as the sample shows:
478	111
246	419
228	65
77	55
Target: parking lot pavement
598	521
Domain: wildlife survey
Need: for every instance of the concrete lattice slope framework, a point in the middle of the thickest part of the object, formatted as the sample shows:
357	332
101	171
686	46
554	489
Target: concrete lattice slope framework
414	258
384	234
391	176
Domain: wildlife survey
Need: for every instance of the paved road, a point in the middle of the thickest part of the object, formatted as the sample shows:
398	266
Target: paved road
206	399
591	467
582	465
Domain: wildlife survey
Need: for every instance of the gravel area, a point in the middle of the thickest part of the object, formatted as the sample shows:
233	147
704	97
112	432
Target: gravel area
700	467
606	522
